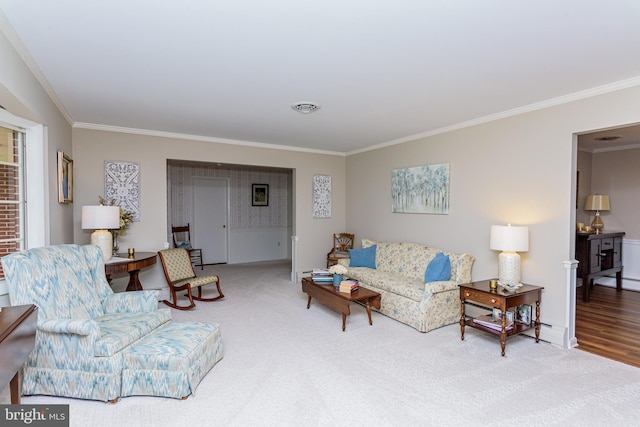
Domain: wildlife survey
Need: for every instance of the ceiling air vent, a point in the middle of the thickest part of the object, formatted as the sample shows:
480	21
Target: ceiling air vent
607	138
305	107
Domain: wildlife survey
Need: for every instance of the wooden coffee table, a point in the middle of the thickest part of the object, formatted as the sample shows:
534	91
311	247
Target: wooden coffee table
329	295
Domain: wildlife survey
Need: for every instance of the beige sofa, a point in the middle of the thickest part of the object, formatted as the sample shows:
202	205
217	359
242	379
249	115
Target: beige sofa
399	276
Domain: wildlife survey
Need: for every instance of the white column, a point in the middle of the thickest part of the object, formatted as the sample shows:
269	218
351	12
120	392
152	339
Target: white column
570	339
294	258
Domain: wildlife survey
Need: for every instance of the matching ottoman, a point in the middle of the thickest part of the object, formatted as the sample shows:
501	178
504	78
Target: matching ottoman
172	360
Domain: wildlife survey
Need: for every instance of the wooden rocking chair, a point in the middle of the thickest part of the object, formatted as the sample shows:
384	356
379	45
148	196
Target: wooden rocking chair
181	276
182	239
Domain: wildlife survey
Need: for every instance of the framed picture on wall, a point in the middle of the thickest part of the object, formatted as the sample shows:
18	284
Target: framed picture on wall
421	189
259	194
65	178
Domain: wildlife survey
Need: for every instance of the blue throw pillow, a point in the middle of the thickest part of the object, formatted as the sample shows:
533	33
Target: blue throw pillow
438	269
363	257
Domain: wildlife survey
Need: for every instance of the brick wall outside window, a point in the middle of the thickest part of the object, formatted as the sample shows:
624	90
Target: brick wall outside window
9	196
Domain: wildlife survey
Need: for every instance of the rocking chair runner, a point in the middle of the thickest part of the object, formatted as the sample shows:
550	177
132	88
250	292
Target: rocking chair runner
181	276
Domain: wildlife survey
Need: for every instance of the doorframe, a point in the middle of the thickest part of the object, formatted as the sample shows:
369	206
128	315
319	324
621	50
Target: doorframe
227	182
572	278
570	266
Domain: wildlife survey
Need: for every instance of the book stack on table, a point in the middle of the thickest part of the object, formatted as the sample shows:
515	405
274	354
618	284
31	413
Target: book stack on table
348	286
321	275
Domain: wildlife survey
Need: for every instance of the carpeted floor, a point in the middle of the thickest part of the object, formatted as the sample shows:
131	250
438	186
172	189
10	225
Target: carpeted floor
285	365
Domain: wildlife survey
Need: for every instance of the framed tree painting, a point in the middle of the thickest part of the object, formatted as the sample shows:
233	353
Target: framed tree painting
422	189
259	194
65	178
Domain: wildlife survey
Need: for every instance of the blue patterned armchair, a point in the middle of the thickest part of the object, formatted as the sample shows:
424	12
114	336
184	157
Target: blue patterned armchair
87	335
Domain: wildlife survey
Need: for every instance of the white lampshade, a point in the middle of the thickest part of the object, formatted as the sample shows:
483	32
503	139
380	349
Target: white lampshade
510	240
101	219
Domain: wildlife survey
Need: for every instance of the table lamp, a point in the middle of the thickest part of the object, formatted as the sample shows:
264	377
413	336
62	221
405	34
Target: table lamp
510	240
597	202
101	219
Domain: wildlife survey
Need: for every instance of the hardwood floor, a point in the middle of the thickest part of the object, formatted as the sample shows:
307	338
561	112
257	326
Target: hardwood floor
609	324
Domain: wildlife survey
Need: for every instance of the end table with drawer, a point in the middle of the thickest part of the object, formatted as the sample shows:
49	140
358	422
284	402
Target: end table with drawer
481	294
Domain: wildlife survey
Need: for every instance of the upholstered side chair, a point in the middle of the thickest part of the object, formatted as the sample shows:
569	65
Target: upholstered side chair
84	328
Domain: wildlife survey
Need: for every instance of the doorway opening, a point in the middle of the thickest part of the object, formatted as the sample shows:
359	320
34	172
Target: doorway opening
216	200
606	164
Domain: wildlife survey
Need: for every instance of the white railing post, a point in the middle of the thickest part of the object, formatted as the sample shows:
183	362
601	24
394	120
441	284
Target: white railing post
570	339
294	258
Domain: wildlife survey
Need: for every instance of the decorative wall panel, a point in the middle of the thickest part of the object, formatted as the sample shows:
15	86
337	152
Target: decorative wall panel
122	184
322	196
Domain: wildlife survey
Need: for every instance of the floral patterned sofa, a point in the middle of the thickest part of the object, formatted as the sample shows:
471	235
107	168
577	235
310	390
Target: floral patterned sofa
399	276
92	343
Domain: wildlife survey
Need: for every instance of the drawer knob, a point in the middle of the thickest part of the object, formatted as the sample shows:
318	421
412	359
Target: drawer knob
467	294
493	300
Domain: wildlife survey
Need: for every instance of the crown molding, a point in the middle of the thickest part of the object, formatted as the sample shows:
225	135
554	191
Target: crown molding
608	149
565	99
15	41
162	134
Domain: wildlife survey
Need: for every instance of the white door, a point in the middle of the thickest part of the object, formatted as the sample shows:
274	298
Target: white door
210	218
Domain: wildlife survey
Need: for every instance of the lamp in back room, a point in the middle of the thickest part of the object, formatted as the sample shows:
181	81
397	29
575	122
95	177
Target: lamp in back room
510	240
101	219
597	202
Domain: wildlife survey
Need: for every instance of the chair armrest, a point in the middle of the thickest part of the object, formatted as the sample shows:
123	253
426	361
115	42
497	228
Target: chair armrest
131	302
70	326
440	286
65	344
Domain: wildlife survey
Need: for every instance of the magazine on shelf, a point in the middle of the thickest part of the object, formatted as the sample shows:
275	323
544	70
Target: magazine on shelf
523	314
491	322
497	313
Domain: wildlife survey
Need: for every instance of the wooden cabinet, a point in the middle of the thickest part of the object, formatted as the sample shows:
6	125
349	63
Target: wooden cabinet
598	255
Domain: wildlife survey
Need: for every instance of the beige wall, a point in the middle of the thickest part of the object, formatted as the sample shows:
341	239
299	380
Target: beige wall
23	96
584	187
93	147
617	173
518	170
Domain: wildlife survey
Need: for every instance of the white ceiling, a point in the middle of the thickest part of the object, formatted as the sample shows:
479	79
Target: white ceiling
382	71
627	137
